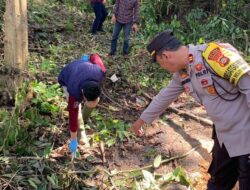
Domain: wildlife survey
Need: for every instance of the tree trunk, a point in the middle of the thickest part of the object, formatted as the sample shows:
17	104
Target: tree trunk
15	50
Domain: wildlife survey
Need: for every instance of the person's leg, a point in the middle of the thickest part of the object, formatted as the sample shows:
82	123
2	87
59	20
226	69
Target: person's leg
244	172
104	16
127	29
88	108
223	169
98	16
81	133
115	35
83	116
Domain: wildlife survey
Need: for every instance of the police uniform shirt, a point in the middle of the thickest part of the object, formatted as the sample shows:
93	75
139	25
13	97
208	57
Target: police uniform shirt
227	106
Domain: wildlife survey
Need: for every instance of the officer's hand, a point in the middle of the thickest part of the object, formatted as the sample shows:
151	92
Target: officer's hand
113	19
73	146
135	27
137	127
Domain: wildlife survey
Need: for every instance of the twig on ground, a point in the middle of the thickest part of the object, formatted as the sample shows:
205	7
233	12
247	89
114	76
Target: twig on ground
9	182
81	172
27	158
106	95
184	114
106	108
240	19
192	116
113	184
151	165
5	184
247	41
102	150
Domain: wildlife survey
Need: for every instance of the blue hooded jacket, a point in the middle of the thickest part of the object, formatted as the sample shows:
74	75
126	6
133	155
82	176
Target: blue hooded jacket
76	74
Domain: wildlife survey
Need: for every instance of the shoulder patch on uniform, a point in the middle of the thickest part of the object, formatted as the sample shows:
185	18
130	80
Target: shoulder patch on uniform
226	63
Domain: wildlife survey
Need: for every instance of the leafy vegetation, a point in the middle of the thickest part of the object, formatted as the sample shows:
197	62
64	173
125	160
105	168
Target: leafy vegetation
110	131
58	34
193	27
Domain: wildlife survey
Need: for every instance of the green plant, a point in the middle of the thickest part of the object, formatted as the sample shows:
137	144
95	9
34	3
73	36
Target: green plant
17	126
110	131
151	182
178	175
15	135
47	97
69	25
48	65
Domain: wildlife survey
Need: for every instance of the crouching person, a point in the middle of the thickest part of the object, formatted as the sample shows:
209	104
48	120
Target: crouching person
81	81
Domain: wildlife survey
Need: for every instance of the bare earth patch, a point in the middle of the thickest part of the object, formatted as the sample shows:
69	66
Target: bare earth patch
169	136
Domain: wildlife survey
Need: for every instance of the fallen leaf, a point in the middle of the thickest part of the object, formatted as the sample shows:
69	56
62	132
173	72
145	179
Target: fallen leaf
59	152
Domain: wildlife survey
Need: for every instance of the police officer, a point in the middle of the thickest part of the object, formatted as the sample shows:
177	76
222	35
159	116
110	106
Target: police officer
81	81
216	76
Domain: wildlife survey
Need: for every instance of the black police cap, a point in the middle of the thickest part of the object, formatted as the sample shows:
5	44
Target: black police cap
164	41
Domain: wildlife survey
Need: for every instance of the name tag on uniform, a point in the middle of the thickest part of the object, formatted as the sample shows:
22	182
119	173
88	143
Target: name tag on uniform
201	73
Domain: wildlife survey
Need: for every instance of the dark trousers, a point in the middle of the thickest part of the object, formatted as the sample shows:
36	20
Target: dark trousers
100	16
225	171
117	29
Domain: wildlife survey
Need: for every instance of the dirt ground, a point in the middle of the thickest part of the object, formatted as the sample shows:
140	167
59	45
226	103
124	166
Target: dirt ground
171	135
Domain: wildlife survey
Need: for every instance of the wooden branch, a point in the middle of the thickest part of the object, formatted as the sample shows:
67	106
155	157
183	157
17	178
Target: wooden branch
201	120
113	184
106	108
106	95
39	50
247	41
48	29
151	165
82	172
102	150
26	158
240	19
9	182
5	181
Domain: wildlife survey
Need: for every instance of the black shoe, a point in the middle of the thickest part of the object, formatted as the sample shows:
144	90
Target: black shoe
125	53
111	54
100	30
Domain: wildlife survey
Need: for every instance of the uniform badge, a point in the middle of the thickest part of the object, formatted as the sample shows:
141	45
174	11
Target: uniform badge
204	82
183	74
187	89
198	67
211	90
217	55
226	63
190	58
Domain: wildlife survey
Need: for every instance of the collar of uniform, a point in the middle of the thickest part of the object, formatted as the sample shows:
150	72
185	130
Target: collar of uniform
202	47
191	57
